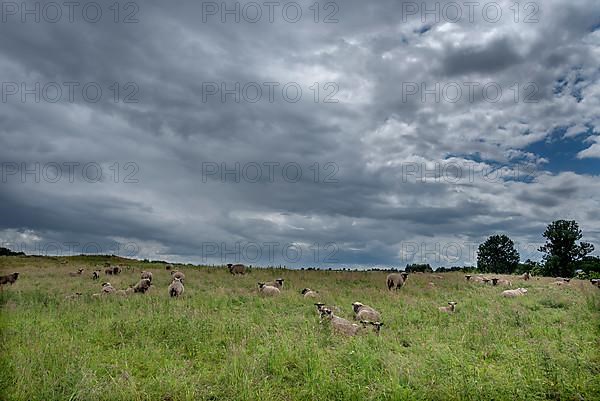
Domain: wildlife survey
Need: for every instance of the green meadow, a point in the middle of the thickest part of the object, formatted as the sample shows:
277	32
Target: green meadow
222	341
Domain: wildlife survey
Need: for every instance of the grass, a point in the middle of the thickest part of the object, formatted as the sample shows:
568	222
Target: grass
223	342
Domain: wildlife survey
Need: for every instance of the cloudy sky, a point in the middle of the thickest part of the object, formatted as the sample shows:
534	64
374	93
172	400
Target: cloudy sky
346	133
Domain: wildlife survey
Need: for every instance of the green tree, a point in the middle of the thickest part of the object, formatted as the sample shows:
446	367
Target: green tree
561	248
497	255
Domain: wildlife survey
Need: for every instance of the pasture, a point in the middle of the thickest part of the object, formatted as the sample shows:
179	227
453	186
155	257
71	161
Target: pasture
221	341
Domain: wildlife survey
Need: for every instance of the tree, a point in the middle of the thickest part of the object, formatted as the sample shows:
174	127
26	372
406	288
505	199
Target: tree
561	248
415	267
497	255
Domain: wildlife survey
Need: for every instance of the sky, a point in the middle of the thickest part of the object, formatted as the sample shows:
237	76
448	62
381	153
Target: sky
306	134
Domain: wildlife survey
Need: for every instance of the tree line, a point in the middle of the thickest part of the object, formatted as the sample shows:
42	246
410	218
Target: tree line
563	254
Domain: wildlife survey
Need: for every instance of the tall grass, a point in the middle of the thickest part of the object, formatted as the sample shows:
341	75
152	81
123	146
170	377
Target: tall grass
221	341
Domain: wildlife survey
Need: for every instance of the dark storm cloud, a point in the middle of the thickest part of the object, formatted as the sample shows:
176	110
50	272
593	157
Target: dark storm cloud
369	136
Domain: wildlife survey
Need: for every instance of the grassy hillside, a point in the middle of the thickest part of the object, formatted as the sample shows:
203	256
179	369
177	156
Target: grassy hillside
221	341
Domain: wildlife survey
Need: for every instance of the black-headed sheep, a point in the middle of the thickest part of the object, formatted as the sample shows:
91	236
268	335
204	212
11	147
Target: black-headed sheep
365	312
176	288
396	280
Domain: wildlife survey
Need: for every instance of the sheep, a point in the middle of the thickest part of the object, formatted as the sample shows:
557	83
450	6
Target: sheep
117	270
308	293
178	274
566	280
448	309
73	296
77	273
108	271
9	279
346	327
468	277
514	293
526	276
396	280
595	282
278	283
176	288
96	275
364	312
376	325
107	288
142	286
236	269
268	290
147	275
561	283
499	281
168	267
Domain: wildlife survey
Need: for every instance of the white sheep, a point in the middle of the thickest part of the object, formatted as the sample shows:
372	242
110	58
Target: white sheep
365	312
176	288
448	309
268	290
308	293
514	293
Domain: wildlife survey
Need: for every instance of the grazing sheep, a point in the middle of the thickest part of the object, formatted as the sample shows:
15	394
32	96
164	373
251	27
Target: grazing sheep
147	275
142	286
177	274
176	288
77	273
566	280
168	267
236	269
526	276
468	277
396	280
9	279
117	270
514	293
96	275
308	293
268	290
364	312
448	309
109	271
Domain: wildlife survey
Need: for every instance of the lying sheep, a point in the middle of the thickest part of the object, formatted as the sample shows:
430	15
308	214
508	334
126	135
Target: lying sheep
448	309
236	269
96	275
268	290
595	282
339	324
396	280
176	288
499	281
365	312
514	293
308	293
278	283
9	279
77	273
147	275
376	325
142	286
177	274
107	288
